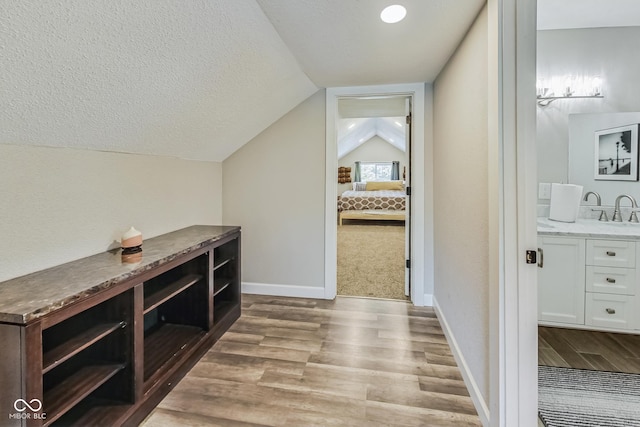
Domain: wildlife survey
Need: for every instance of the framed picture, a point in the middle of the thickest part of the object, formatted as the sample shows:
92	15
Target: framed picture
616	154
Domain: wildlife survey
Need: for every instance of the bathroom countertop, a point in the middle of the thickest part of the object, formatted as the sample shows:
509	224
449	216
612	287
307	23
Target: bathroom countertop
29	297
589	228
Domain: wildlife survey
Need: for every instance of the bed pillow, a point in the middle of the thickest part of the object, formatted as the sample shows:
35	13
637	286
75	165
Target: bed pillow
359	186
384	185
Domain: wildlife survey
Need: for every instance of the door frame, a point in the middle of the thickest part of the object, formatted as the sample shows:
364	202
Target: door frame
512	212
422	187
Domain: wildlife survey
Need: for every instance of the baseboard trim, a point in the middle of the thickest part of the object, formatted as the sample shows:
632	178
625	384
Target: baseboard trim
315	292
469	380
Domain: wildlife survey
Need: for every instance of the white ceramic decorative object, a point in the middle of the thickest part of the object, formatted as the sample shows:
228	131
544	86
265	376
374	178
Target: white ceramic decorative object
131	238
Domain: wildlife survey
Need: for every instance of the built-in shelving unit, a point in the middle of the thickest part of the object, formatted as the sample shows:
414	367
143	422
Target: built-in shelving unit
226	286
84	352
110	356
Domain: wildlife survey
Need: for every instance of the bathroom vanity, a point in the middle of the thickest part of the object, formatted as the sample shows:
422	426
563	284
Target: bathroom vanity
100	341
588	276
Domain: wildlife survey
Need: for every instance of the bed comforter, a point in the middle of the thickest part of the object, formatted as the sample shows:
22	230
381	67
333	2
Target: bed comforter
367	200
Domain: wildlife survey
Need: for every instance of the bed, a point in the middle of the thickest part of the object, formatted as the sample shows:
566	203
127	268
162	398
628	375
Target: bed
379	201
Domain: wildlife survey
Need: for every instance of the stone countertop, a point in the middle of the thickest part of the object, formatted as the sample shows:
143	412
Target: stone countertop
29	297
589	228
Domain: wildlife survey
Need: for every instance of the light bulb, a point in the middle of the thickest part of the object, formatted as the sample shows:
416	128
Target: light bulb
392	14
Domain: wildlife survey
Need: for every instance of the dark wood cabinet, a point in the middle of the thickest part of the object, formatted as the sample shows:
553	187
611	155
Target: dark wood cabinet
111	355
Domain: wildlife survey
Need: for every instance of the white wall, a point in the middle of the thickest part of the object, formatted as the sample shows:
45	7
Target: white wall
58	205
613	54
461	214
374	150
274	188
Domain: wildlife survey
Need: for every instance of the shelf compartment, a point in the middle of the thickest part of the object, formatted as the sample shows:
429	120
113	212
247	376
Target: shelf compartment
167	342
93	412
220	284
72	390
221	309
70	348
223	262
157	298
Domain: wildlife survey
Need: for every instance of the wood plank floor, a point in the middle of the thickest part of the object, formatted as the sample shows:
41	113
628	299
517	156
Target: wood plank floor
601	351
302	362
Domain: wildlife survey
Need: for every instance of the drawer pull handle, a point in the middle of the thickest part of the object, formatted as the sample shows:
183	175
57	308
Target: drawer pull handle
611	311
611	253
610	280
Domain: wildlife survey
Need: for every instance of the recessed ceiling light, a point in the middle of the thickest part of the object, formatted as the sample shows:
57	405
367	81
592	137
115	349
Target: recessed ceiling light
392	14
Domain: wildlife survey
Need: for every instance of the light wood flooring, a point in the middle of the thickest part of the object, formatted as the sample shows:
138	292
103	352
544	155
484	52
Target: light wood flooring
302	362
602	351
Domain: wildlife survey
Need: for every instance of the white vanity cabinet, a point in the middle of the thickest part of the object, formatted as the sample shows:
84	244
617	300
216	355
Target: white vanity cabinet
561	280
590	283
611	284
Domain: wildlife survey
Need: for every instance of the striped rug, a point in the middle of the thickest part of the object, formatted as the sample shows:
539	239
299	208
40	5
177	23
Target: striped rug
580	398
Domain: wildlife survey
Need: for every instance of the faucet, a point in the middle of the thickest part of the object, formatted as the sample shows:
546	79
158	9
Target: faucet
603	214
634	206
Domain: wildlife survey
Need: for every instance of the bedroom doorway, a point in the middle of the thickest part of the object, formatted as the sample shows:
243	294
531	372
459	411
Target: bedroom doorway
421	181
374	172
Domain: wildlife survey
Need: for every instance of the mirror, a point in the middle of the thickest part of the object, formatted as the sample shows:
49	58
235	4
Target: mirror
566	127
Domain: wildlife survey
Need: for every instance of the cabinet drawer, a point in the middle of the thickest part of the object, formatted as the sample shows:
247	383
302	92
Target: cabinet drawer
611	253
609	311
611	280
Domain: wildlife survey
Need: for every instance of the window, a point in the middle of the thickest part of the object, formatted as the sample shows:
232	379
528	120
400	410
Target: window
379	171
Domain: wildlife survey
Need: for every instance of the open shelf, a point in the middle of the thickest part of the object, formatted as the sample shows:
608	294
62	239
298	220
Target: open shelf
75	345
72	390
220	284
221	309
167	292
93	412
223	263
164	343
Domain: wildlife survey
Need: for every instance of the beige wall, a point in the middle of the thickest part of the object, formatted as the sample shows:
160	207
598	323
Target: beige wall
59	204
374	150
460	199
274	188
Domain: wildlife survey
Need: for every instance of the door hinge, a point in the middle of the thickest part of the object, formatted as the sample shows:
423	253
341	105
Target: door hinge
408	263
409	119
408	191
531	256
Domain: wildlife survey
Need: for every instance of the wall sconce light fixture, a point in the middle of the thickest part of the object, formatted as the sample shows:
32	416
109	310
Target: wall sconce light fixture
548	90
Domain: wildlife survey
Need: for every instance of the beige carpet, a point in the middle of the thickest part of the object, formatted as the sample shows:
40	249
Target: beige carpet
371	260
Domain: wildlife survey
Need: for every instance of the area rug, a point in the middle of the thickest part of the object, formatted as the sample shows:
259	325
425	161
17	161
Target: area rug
371	260
581	398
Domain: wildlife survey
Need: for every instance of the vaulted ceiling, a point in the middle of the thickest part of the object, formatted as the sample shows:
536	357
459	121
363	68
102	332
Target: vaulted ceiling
198	79
352	133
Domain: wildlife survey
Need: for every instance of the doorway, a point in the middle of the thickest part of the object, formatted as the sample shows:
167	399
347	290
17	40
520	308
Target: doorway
591	342
374	175
421	225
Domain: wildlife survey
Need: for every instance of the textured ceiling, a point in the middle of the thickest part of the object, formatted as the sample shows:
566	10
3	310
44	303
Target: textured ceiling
193	79
197	79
